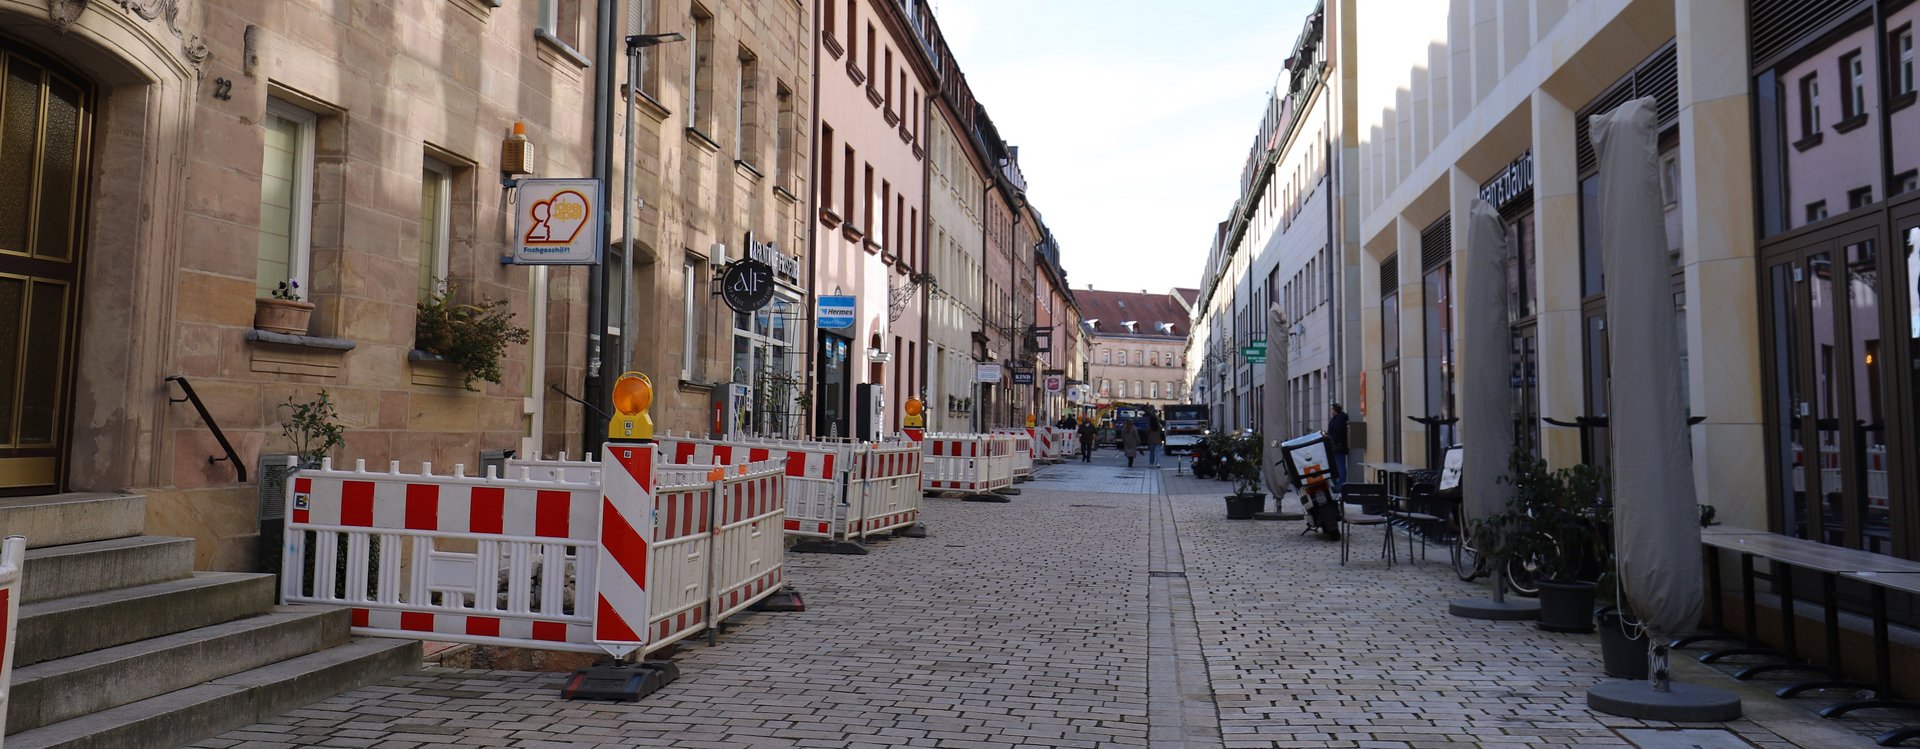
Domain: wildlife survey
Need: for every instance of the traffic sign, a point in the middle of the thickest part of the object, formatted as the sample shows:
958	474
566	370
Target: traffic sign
1255	352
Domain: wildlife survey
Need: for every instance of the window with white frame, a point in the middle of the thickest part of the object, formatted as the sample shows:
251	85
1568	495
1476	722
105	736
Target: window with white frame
561	21
1153	390
1123	390
1903	61
690	310
1853	79
286	197
436	189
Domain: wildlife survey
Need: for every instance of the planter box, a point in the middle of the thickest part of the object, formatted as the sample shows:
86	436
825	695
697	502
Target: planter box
282	316
1243	506
1566	607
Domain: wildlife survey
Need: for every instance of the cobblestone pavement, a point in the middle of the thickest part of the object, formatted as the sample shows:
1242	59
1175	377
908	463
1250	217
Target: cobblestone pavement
1105	607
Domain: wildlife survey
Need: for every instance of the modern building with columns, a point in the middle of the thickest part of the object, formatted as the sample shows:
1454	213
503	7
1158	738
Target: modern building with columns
1787	187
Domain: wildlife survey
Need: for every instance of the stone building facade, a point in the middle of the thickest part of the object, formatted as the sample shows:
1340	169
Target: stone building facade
224	147
1137	351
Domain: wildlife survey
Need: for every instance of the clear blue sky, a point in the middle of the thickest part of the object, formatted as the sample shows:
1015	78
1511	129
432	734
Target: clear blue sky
1133	118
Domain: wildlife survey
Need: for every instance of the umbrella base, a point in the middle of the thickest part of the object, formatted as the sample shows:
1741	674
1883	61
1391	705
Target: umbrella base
1683	703
1510	610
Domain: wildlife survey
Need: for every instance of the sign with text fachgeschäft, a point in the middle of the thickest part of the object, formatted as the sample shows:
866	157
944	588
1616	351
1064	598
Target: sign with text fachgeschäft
557	222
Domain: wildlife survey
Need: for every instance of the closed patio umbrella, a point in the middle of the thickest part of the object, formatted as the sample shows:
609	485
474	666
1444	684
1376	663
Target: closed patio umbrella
1656	528
1277	415
1486	397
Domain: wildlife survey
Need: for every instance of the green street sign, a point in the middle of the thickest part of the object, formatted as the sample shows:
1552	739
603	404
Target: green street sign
1255	351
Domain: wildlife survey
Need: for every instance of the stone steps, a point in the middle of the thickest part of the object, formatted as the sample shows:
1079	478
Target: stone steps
70	687
93	566
183	716
122	644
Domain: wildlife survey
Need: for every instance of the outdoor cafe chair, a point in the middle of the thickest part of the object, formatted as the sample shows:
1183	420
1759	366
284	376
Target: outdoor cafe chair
1361	505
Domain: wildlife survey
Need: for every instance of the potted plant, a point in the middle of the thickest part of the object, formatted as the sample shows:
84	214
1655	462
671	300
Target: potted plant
473	337
1558	527
1623	642
1244	468
313	427
283	312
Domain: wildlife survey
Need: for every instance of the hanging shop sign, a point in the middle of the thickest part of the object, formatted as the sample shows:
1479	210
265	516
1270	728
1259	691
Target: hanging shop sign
747	285
786	268
1510	183
835	312
557	222
986	372
1023	377
1056	383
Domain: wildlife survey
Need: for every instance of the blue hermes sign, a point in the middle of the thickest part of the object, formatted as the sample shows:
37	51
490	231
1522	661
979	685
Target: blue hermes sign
835	312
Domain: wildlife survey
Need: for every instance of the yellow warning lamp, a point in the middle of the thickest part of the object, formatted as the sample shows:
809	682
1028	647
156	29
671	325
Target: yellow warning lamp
1031	420
914	419
632	394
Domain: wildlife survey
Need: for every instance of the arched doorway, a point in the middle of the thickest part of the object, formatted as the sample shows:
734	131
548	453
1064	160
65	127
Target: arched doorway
45	119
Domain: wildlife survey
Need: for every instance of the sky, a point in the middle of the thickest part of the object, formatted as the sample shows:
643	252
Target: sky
1133	118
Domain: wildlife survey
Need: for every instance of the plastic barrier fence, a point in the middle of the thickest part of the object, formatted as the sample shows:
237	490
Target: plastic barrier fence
888	485
1068	440
834	489
1046	444
1024	452
966	463
13	559
559	555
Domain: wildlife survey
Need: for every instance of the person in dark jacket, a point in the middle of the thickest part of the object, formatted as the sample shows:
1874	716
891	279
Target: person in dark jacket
1337	445
1088	435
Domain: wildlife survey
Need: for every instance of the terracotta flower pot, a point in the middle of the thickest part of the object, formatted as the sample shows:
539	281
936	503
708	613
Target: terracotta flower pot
282	316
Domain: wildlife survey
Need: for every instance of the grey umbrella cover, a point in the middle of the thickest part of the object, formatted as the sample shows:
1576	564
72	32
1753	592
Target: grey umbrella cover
1486	395
1278	411
1655	517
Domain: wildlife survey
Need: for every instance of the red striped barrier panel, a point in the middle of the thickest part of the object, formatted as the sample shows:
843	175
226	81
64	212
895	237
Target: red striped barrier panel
834	490
580	556
971	464
1024	451
13	559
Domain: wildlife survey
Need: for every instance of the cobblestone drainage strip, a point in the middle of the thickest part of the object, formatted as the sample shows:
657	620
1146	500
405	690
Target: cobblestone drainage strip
1691	738
1165	573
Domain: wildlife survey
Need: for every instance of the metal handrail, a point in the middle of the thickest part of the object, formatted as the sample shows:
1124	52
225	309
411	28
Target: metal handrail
212	425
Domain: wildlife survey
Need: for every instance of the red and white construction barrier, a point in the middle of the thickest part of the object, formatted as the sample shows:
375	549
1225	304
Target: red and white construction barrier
971	464
1046	442
13	559
834	490
1025	452
559	555
1068	441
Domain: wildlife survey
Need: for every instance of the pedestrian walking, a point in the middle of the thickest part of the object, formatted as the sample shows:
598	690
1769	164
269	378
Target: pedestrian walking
1129	441
1337	445
1087	435
1156	436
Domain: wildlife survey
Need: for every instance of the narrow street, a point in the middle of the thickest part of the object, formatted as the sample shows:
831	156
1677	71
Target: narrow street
1103	607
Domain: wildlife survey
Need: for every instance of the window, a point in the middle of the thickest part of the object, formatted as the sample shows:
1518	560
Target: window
887	74
1810	105
1123	358
866	209
746	115
847	207
871	45
1859	197
1670	179
900	224
690	309
1106	388
436	187
826	166
783	154
1106	357
700	72
1139	389
1139	357
1153	390
1903	61
1153	358
827	26
560	22
1853	78
286	197
1906	182
1816	211
853	28
639	21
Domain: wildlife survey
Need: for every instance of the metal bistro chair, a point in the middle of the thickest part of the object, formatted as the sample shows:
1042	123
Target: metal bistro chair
1419	513
1365	504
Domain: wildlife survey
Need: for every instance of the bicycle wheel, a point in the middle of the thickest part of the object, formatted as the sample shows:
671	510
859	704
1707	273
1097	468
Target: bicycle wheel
1523	577
1466	559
